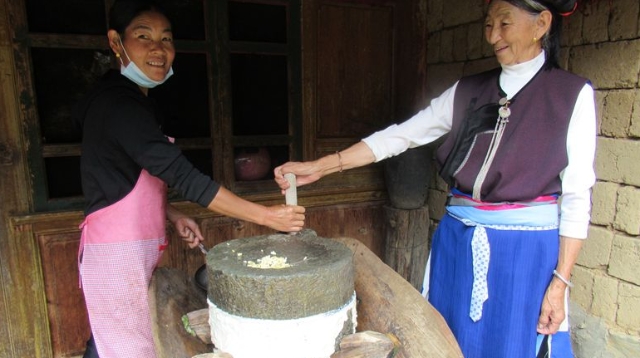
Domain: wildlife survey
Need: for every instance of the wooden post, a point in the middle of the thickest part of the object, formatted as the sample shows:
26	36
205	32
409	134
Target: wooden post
407	242
173	294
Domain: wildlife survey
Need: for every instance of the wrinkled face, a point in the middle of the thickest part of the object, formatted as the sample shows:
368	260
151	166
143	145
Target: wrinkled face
511	32
148	42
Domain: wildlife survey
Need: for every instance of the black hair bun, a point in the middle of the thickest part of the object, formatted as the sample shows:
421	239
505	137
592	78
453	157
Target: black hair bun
562	6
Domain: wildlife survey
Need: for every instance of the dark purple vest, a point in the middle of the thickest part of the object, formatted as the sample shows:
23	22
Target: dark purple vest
533	150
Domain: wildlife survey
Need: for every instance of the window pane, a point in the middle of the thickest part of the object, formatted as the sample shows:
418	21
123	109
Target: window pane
187	18
257	163
260	95
257	22
67	16
279	156
201	159
184	98
63	177
62	77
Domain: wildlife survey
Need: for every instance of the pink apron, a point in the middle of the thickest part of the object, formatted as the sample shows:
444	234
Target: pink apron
120	247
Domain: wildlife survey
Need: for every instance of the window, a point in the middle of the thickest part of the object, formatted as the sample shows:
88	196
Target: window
233	104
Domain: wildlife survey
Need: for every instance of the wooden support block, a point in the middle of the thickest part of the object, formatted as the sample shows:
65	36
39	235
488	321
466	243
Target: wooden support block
214	355
171	295
367	344
197	324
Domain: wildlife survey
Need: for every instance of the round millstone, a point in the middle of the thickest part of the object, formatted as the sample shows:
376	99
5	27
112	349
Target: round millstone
319	277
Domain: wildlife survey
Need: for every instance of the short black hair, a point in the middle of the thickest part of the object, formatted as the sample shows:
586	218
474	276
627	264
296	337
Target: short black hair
122	12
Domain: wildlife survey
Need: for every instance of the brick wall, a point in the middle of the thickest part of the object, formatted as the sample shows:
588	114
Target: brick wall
601	42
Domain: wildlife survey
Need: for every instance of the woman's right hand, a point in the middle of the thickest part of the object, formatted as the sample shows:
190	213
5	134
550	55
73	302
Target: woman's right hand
306	173
285	218
355	156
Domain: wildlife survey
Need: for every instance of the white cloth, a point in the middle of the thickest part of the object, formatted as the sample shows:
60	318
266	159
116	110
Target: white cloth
577	178
481	253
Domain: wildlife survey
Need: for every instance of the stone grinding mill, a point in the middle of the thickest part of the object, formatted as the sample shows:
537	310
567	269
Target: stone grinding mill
292	295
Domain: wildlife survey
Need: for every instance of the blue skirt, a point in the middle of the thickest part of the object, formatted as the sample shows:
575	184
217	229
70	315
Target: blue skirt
520	269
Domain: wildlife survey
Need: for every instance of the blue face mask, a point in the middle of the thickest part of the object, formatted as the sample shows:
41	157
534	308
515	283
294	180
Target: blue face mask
135	74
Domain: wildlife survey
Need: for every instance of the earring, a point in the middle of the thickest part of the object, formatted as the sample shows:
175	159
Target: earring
117	55
535	39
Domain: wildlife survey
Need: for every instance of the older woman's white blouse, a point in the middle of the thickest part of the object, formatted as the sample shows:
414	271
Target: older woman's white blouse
577	178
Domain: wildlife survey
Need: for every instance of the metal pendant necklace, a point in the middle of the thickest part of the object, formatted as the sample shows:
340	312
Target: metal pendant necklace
504	112
501	123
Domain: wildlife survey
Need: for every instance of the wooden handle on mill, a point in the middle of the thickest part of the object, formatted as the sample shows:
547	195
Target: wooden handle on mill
291	194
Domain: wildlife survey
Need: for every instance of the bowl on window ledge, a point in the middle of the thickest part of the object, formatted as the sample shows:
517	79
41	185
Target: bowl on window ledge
252	163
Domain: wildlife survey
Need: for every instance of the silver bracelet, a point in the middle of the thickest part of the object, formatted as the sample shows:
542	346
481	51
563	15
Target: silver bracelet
559	276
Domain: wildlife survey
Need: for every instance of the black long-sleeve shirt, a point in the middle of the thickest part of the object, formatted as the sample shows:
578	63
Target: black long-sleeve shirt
121	136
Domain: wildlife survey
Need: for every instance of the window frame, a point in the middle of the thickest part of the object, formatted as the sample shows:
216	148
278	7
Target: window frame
217	47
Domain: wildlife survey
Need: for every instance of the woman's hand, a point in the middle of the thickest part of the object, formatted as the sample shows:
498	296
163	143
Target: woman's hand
285	218
355	156
306	173
552	311
289	218
187	228
189	231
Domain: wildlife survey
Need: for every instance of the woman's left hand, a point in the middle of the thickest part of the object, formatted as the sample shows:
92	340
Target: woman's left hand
186	227
189	231
552	311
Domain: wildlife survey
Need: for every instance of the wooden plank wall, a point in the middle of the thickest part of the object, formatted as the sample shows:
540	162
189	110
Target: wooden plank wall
52	240
23	320
41	308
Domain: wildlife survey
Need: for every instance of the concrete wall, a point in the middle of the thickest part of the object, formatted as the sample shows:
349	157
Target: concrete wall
601	42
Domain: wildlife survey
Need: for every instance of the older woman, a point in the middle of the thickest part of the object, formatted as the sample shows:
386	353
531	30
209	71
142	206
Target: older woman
521	140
